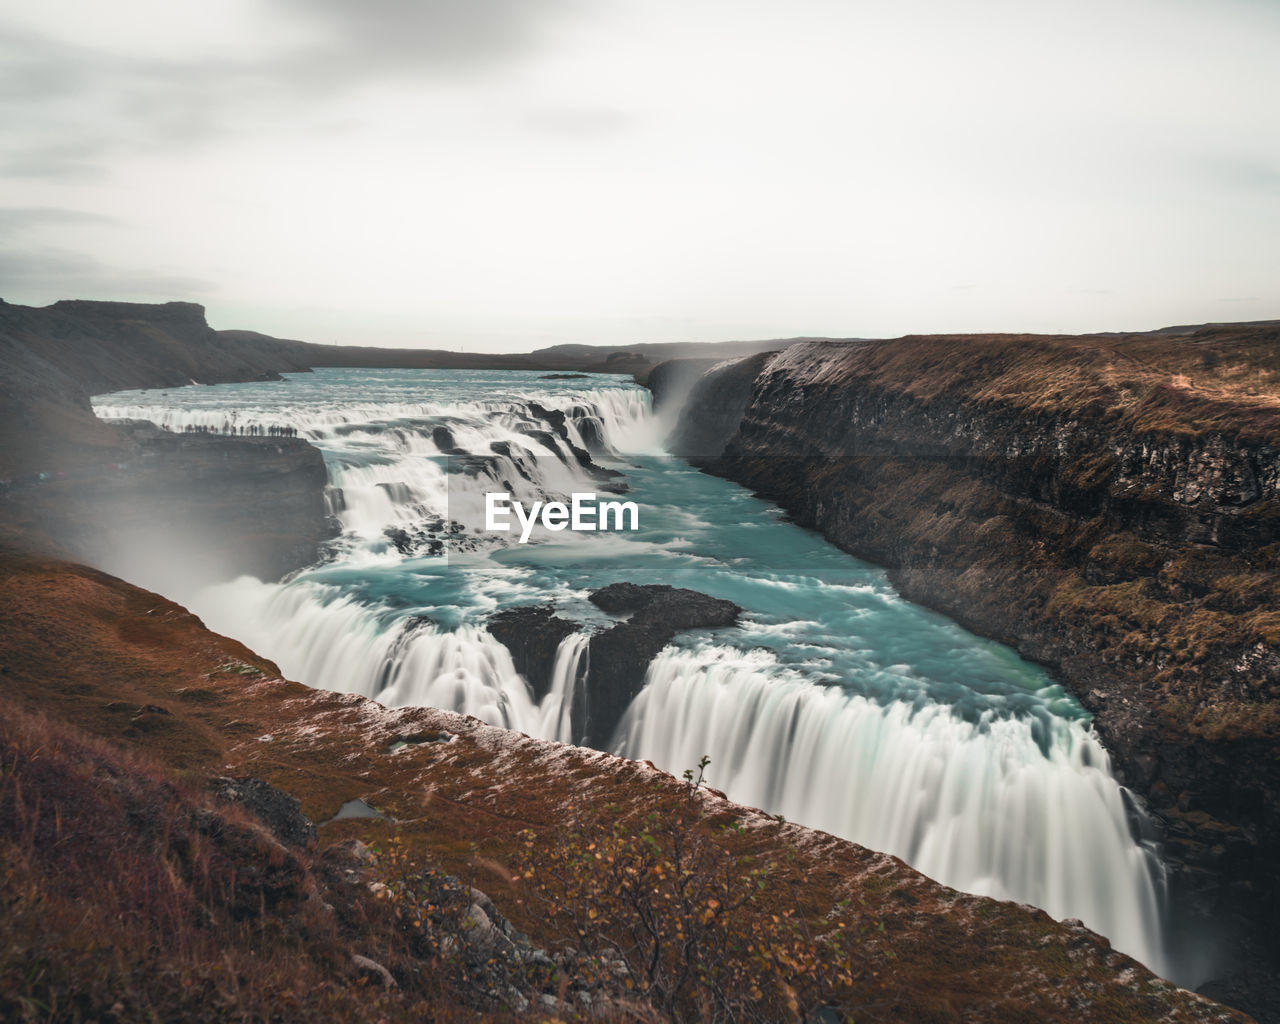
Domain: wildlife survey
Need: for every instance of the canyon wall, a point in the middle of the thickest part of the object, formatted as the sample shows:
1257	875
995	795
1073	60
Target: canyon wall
172	510
1109	507
181	510
53	358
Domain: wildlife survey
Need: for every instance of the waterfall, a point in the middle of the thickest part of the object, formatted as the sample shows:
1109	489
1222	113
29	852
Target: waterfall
316	634
980	807
395	466
1015	801
622	415
557	707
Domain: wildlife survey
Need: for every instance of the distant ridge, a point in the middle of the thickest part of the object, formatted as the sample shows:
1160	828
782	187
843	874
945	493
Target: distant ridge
53	358
1187	328
1192	328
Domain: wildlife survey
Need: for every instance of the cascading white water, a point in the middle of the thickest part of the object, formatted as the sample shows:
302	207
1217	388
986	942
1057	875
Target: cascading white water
388	463
622	414
977	806
337	644
1014	806
570	667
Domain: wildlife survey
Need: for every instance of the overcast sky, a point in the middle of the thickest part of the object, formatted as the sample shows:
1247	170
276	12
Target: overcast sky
506	174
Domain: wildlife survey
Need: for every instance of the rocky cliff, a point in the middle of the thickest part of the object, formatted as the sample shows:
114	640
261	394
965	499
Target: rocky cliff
182	510
1109	507
52	359
179	510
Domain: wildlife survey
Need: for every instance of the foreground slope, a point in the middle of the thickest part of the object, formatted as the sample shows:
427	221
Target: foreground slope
121	665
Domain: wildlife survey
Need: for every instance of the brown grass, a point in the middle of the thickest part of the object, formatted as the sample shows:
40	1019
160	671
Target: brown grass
128	897
77	646
1219	379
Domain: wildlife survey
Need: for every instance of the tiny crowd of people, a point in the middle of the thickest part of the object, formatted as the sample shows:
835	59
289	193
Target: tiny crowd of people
251	430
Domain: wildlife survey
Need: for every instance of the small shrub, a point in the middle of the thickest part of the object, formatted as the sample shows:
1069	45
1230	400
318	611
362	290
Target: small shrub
659	908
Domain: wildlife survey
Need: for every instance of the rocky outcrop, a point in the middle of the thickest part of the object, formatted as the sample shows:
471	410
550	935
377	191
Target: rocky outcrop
620	655
617	657
280	812
532	634
592	433
1111	508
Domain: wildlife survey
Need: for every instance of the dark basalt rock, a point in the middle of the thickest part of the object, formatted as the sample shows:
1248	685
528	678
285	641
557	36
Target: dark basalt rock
442	438
620	656
610	477
415	543
592	433
554	417
280	812
588	427
674	607
545	438
532	634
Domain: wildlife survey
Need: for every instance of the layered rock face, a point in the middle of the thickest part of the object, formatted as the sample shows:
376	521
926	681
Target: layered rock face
1111	508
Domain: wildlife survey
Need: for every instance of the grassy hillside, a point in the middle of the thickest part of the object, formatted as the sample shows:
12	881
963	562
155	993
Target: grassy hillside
134	895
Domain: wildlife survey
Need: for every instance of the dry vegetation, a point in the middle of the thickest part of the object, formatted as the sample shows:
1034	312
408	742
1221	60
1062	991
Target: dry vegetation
130	895
1218	378
656	905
